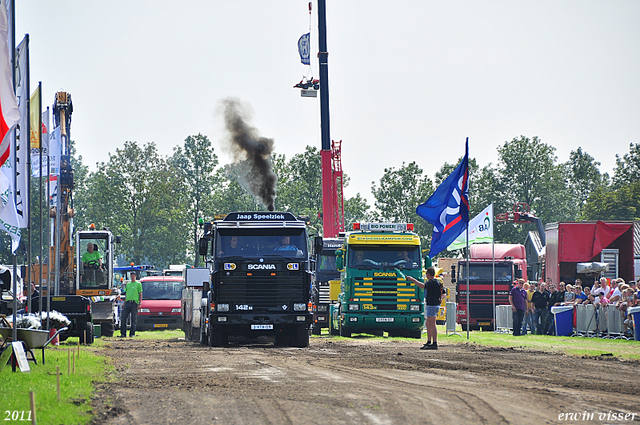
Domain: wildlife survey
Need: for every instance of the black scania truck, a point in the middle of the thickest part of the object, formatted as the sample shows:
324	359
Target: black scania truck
260	279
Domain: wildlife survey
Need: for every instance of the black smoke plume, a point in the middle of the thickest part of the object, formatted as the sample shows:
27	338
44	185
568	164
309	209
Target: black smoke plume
251	153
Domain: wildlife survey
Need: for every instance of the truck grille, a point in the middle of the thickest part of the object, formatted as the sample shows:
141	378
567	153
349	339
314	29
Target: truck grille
385	294
262	291
324	294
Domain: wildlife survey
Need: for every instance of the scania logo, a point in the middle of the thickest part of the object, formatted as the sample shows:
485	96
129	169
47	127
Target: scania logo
383	274
261	266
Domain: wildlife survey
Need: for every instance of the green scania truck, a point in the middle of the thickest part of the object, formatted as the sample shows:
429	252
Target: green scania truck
375	296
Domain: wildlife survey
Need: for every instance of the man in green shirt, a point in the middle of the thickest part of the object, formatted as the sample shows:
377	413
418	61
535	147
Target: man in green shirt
133	296
92	264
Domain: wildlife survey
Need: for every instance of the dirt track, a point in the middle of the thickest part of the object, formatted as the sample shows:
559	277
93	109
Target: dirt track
359	381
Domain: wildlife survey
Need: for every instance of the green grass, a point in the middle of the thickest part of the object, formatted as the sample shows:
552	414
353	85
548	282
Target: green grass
573	346
166	334
76	388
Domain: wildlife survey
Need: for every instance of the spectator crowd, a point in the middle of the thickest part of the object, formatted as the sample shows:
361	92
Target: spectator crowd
534	301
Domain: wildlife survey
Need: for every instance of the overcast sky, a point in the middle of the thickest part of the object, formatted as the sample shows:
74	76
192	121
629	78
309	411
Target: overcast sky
408	80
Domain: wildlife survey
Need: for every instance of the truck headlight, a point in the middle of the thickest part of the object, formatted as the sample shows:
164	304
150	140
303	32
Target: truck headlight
223	307
414	307
176	310
299	307
301	318
222	319
354	307
144	310
322	308
416	319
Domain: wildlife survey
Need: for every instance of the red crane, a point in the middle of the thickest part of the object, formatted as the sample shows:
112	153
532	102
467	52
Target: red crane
332	191
337	198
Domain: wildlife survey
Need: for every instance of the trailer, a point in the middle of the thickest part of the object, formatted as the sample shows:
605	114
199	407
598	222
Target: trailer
571	243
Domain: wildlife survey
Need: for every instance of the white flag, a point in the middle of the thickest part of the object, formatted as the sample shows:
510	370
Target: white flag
35	157
23	142
8	215
480	230
55	149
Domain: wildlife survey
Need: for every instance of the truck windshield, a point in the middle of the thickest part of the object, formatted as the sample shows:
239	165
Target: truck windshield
327	262
373	257
93	273
287	243
161	290
482	272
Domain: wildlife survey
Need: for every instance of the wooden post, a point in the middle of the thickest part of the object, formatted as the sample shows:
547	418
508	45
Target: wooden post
74	364
58	379
78	347
32	399
68	360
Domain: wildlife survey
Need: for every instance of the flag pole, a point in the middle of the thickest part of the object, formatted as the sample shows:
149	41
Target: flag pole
493	262
25	143
12	52
40	195
468	290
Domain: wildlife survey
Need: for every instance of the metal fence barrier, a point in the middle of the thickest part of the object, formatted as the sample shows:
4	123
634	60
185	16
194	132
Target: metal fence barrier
586	324
504	319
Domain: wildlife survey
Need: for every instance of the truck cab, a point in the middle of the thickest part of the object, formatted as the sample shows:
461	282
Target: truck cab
326	281
375	296
505	262
260	278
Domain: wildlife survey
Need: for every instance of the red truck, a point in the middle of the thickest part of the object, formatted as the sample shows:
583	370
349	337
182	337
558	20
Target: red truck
510	264
573	243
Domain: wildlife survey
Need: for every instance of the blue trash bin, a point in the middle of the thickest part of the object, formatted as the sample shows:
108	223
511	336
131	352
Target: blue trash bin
635	313
564	319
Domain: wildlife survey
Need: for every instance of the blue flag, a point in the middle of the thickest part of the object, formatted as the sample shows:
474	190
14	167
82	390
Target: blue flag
304	48
448	208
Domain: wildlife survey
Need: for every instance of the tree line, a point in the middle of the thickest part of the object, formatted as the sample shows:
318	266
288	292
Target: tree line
154	202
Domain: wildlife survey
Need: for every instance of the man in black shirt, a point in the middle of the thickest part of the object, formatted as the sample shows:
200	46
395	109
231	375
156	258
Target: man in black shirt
540	301
556	298
433	297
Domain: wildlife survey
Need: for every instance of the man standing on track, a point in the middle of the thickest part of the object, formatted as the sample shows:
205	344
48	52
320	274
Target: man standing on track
133	296
433	296
518	301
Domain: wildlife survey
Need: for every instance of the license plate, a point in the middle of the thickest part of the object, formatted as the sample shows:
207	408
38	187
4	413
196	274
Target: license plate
484	323
58	298
160	325
261	327
384	319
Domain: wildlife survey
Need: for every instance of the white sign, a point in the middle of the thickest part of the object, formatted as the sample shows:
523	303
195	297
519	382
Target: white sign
308	93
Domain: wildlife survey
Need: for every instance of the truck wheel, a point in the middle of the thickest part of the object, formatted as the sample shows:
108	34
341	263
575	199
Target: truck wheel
378	332
107	329
417	334
316	330
86	327
217	338
300	338
203	336
344	333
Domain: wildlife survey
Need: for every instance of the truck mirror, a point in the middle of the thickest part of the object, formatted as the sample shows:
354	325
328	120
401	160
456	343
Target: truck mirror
518	274
118	239
453	274
317	245
428	262
340	260
202	246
